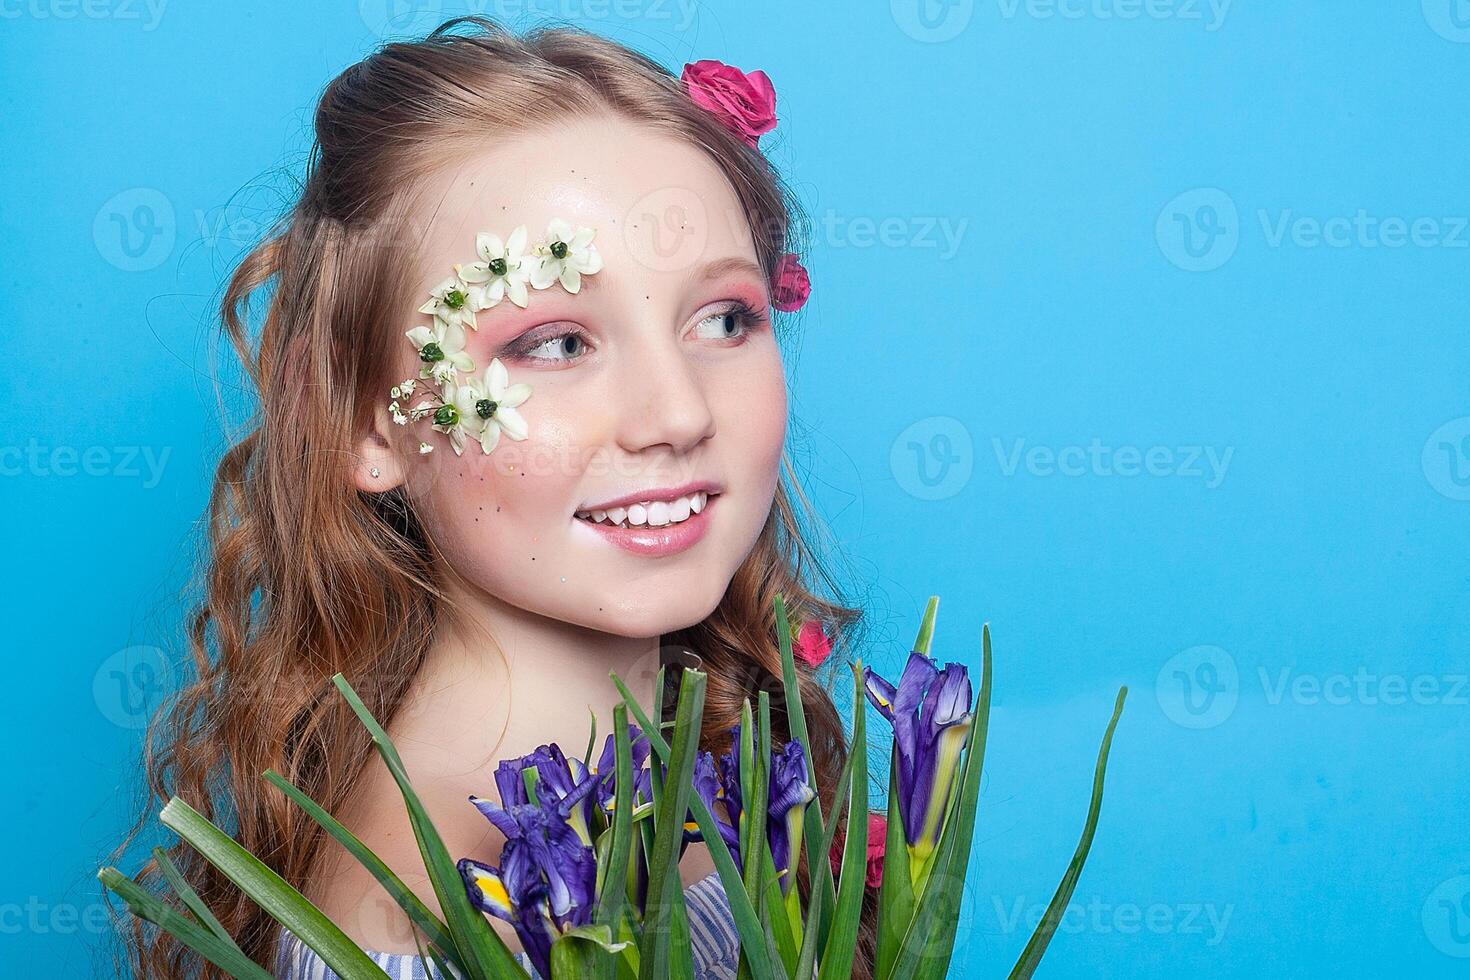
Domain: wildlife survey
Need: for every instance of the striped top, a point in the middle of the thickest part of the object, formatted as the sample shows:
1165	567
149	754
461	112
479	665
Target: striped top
713	940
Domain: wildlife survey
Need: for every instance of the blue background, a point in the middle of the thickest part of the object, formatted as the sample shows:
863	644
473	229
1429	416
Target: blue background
1131	190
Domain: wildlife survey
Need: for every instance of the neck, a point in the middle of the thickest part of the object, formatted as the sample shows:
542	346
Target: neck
499	681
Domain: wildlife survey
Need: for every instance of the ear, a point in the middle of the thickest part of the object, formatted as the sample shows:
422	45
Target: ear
377	468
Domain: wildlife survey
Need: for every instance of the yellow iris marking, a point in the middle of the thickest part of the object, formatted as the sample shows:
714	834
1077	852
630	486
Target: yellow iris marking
494	890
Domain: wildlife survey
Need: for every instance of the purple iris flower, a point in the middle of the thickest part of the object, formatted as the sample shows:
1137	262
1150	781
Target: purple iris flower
930	713
547	877
558	777
606	770
789	792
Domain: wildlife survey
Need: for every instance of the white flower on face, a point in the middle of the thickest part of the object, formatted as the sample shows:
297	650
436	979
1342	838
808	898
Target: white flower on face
502	270
441	348
566	256
482	408
457	418
453	301
499	407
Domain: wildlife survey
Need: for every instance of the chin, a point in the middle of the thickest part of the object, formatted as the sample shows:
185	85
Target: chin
635	614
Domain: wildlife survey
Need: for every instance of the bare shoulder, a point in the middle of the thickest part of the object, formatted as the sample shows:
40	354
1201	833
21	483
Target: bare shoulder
350	896
446	767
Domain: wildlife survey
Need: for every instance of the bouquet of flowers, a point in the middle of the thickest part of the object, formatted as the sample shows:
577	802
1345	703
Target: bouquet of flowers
589	877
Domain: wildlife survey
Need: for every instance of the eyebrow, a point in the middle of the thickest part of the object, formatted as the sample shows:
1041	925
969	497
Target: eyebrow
715	269
735	264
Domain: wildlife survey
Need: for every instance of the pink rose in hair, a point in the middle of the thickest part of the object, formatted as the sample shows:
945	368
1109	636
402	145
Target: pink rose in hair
877	846
745	103
811	643
790	285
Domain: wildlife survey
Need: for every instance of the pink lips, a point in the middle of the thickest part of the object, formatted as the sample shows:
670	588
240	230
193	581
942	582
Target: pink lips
654	542
656	493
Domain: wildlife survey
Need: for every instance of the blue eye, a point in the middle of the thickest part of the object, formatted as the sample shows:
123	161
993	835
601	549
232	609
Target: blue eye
562	347
730	323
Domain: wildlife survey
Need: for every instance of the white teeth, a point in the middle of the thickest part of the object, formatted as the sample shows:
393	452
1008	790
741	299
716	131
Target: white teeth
653	513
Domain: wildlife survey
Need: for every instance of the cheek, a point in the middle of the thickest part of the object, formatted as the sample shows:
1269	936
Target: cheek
491	514
751	421
765	413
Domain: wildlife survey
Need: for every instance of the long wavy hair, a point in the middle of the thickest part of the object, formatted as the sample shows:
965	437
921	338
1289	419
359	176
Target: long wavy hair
306	576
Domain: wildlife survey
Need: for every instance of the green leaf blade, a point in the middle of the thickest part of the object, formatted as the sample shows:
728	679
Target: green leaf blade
270	891
222	952
819	869
1047	927
837	956
485	953
413	906
664	913
754	959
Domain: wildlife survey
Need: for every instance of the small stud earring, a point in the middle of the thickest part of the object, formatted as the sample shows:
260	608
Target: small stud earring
374	472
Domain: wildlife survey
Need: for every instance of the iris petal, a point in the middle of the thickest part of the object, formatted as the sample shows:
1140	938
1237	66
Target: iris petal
486	890
929	709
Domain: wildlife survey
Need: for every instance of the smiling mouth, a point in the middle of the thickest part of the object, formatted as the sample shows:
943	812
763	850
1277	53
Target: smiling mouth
651	513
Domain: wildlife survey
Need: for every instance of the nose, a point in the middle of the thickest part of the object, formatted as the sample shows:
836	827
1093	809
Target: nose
663	400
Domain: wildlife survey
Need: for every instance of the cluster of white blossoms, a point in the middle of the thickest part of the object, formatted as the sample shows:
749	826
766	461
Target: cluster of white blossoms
465	405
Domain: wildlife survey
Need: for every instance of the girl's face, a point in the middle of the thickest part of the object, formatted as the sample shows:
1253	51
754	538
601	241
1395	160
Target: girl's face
659	380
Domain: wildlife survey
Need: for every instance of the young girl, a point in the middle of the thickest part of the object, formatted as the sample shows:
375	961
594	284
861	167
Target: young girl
521	423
